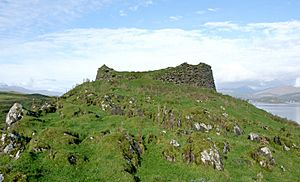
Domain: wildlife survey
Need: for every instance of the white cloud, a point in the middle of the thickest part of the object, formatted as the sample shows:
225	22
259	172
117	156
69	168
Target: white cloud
140	3
72	55
33	16
226	25
297	83
213	9
122	13
175	18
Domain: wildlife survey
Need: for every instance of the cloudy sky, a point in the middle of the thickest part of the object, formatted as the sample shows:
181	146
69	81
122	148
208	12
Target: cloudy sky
54	44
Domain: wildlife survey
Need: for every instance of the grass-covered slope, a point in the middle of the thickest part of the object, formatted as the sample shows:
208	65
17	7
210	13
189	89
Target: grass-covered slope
7	99
146	130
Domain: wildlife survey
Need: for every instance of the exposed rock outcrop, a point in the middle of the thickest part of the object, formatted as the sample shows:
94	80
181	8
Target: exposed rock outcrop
15	114
213	158
264	157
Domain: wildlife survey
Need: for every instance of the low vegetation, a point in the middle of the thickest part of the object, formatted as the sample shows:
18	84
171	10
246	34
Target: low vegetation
147	130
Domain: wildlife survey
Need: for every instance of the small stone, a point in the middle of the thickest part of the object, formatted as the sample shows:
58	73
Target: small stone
265	127
8	149
259	177
225	114
188	117
237	130
286	148
202	127
3	137
254	137
283	168
277	140
226	148
174	143
17	155
1	177
72	159
169	158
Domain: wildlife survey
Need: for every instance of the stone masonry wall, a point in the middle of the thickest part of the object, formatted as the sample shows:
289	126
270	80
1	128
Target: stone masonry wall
200	75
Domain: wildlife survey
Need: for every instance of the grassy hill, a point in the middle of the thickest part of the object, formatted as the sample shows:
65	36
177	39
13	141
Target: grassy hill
7	99
143	129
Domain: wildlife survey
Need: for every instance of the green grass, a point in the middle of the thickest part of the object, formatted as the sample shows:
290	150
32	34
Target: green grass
7	99
85	128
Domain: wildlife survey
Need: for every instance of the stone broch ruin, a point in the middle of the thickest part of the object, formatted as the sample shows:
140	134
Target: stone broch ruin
200	75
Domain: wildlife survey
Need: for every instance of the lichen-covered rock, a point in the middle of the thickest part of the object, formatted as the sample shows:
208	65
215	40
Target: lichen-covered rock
226	148
264	157
202	127
189	156
3	137
169	157
1	177
237	130
48	108
15	114
213	158
9	148
254	137
286	148
277	140
174	143
13	144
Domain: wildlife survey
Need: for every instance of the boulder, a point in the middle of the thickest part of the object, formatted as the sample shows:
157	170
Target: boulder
9	148
202	127
174	143
277	140
237	130
15	114
254	137
48	108
264	157
213	158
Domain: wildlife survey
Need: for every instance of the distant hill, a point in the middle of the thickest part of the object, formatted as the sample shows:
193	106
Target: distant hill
271	95
239	92
17	89
147	127
278	94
